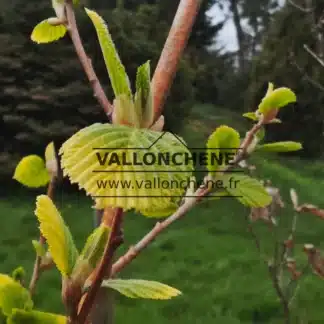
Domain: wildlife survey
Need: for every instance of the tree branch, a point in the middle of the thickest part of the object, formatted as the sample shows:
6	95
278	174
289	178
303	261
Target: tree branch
172	52
85	61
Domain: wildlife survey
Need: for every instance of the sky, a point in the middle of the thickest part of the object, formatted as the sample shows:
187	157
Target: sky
227	36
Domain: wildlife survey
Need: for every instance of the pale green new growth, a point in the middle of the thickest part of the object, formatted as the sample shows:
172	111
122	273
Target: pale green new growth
20	316
223	140
31	172
57	234
143	96
135	288
279	147
91	254
13	295
247	190
117	74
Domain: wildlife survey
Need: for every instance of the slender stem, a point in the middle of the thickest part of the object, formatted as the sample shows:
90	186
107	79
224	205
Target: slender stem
135	250
276	285
104	266
37	265
172	51
85	61
159	227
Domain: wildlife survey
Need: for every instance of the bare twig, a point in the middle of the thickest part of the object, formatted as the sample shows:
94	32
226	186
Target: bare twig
172	52
308	78
297	6
85	61
104	266
37	265
314	55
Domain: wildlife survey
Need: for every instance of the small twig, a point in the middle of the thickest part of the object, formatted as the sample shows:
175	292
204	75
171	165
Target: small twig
297	6
135	250
172	52
104	266
37	265
308	78
85	61
315	56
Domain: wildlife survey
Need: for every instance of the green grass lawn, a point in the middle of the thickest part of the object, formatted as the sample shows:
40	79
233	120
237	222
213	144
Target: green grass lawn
208	255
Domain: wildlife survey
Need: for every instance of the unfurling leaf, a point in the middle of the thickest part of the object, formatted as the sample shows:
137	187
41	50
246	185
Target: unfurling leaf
91	253
144	96
18	274
44	32
260	134
223	141
294	198
50	159
253	116
31	172
39	248
13	295
275	99
134	171
117	74
134	288
280	147
57	234
20	316
247	190
124	112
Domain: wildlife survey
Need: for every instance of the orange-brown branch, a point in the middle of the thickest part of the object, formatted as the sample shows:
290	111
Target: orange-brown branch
172	51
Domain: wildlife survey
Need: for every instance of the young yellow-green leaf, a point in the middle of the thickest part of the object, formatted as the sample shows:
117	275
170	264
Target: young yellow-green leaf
160	212
276	99
20	316
133	170
135	288
57	234
117	74
280	147
247	190
44	32
251	115
31	172
222	141
91	254
39	248
13	295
